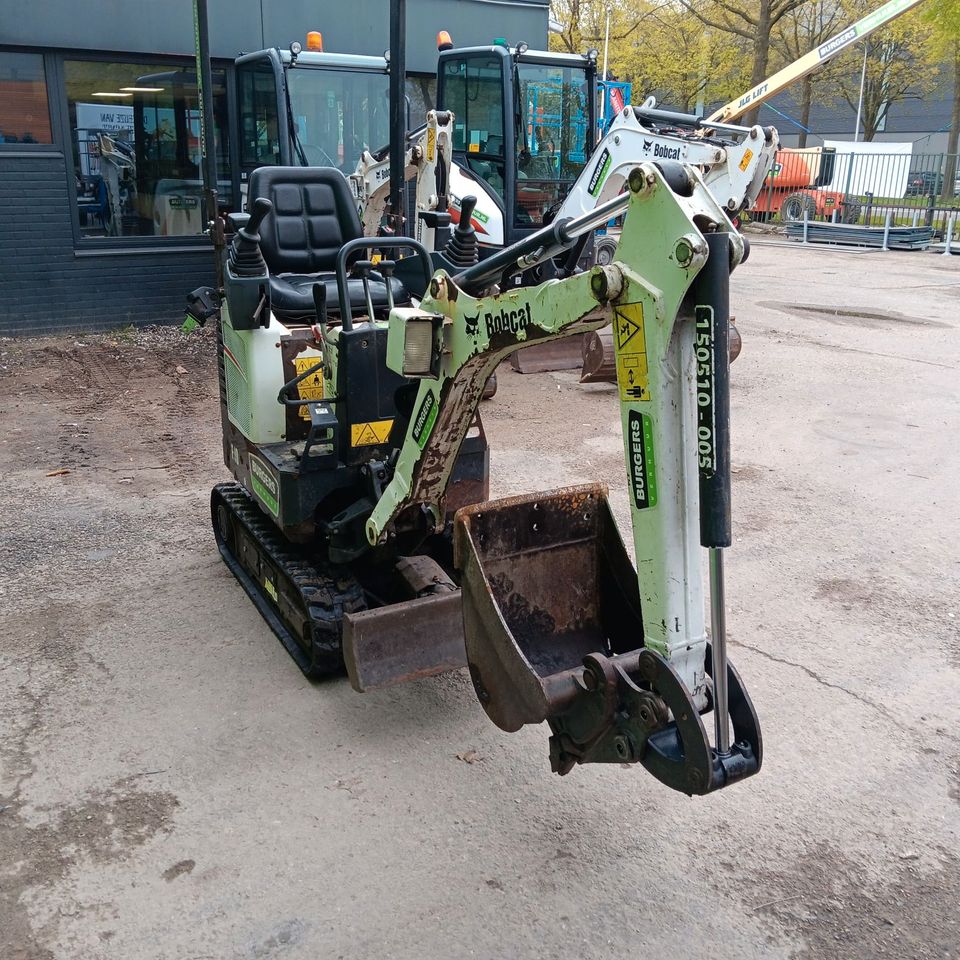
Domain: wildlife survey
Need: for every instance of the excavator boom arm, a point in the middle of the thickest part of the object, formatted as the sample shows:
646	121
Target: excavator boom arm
733	169
559	625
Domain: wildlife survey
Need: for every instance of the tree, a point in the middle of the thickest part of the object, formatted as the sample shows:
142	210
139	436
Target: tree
754	21
583	23
900	67
943	16
683	63
800	31
657	46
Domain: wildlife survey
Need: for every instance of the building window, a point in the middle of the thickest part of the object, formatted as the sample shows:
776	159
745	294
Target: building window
24	112
136	147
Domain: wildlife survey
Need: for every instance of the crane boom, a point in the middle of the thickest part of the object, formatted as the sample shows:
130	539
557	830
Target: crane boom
811	60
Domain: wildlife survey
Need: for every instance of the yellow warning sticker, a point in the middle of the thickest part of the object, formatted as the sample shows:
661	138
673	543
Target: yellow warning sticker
745	162
367	434
431	143
632	373
312	387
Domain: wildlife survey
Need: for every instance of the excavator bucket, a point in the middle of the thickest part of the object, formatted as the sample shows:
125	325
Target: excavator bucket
553	628
546	582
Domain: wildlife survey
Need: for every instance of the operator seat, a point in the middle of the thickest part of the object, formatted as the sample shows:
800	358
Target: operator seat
314	214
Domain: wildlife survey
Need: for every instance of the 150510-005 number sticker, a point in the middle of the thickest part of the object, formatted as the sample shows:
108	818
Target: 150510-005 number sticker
706	418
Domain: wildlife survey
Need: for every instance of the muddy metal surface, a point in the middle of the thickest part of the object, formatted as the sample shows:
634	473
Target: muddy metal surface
171	787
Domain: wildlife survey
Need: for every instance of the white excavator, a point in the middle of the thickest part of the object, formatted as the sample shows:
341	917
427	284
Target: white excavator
522	131
514	127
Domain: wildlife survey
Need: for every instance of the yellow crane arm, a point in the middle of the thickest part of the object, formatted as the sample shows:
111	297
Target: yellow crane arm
810	61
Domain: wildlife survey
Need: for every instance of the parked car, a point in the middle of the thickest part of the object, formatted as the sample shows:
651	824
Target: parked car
921	183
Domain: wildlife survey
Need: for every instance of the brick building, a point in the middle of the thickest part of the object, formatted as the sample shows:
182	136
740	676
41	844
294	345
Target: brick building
98	117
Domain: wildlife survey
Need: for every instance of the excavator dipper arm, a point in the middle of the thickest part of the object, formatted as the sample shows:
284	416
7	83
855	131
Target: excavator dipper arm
559	624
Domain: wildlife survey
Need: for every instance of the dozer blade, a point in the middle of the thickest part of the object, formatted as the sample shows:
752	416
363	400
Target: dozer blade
554	631
403	641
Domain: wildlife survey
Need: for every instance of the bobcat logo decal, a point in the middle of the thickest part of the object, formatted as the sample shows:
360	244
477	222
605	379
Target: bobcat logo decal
473	324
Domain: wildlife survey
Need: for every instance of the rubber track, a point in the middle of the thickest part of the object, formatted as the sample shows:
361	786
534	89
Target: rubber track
322	598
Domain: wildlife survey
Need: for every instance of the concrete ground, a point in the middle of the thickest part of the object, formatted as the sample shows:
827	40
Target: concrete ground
171	787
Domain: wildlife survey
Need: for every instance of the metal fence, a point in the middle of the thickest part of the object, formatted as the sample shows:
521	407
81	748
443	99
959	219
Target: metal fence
870	189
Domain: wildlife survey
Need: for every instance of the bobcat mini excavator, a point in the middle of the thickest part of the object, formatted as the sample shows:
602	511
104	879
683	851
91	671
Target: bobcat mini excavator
359	524
358	520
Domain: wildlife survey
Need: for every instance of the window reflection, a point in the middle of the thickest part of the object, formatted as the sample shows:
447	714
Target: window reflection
24	113
473	90
136	147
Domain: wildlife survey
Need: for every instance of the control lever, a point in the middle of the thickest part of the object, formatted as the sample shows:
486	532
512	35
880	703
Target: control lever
461	249
386	268
245	258
363	269
320	304
261	207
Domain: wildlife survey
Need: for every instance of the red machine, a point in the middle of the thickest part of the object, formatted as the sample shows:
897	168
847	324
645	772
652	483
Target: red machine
795	187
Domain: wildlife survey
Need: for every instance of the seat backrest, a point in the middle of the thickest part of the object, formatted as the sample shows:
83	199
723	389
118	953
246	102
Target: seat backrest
314	215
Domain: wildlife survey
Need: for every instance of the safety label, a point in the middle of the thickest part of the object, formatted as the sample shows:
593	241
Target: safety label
367	434
431	144
632	373
745	160
312	387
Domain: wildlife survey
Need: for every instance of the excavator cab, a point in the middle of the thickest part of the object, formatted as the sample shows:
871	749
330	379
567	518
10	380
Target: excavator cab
308	108
524	129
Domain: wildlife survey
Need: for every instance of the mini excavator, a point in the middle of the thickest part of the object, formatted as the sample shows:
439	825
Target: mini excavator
359	520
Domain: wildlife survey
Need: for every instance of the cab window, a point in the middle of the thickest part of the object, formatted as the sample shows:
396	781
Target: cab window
259	124
552	138
473	90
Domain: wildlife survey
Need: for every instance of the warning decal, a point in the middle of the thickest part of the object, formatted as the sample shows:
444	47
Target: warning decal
368	434
745	162
312	387
632	373
628	323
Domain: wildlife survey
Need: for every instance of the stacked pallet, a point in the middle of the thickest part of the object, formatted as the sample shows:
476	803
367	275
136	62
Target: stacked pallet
852	234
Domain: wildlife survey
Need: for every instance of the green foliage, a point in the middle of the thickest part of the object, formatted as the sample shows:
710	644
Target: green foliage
657	46
711	50
902	64
943	17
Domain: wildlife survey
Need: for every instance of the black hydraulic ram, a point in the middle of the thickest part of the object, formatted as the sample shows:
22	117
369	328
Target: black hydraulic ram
546	242
651	116
711	301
